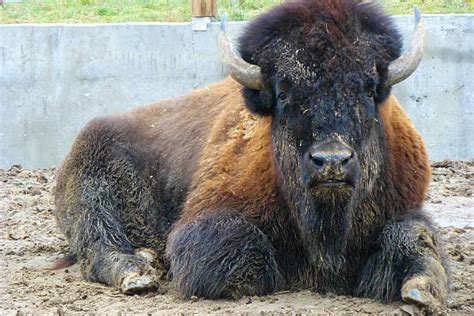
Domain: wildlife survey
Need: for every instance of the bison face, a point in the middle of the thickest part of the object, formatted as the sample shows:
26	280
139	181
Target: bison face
323	132
326	138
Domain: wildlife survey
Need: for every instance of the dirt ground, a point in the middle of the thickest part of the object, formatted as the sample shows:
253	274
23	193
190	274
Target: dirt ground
30	242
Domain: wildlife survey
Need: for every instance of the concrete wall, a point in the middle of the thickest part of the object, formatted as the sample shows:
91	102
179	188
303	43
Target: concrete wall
54	78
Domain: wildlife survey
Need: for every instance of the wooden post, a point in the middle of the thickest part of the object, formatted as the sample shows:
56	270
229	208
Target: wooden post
200	8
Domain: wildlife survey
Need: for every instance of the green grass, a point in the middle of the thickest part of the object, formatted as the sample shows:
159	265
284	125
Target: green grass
75	11
429	6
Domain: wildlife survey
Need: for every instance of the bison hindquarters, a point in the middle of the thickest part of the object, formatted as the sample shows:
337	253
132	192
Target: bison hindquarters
219	255
406	265
99	193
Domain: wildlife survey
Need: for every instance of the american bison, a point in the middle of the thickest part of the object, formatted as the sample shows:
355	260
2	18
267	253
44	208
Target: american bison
301	170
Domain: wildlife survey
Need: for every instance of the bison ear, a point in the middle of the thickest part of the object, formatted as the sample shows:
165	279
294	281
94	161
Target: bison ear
258	101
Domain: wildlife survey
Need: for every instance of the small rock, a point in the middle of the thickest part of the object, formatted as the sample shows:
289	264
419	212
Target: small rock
11	237
194	298
24	174
15	169
33	191
41	179
460	258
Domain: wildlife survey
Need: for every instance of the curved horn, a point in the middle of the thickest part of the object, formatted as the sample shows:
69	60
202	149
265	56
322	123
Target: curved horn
405	65
244	73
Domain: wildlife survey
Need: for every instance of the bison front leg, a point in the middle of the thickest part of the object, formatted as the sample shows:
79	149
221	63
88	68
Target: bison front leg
408	265
218	256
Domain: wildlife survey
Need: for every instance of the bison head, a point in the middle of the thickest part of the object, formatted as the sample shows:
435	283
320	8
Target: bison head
321	69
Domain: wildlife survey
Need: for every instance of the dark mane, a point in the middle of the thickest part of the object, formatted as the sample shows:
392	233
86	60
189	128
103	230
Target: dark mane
323	23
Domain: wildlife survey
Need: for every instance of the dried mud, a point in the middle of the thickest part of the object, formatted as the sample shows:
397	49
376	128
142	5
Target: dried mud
30	242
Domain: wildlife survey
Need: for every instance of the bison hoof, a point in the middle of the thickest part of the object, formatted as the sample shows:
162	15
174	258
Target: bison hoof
420	290
140	282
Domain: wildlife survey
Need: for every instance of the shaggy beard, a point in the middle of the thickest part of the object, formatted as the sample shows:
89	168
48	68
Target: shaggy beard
324	217
325	221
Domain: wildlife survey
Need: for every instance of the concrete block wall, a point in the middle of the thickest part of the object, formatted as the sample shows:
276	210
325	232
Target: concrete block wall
55	78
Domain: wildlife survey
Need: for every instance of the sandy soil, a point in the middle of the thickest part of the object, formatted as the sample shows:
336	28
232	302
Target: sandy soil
30	242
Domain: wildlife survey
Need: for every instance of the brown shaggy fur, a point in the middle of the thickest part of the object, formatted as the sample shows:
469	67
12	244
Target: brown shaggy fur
239	148
408	163
236	162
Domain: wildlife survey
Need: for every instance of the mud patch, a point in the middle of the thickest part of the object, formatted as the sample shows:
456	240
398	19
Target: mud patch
30	242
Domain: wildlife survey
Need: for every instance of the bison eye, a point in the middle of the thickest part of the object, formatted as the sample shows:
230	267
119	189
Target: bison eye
371	94
282	96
